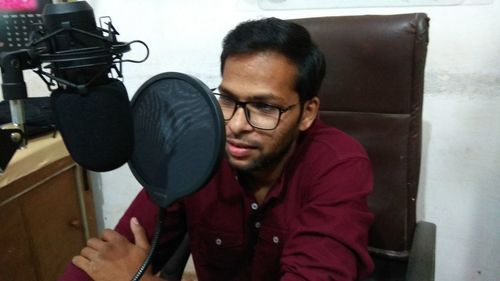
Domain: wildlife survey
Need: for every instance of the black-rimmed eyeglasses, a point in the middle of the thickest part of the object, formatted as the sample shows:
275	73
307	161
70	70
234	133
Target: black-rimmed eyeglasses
258	114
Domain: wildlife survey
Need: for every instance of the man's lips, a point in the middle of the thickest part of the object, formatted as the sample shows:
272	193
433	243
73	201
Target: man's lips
239	149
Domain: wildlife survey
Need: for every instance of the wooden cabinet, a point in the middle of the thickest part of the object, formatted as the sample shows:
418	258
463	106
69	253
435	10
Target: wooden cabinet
46	217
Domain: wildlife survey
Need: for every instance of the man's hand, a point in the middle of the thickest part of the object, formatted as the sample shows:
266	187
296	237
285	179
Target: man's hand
113	257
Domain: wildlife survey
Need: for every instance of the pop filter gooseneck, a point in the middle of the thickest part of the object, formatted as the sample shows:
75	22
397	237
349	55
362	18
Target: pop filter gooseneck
179	140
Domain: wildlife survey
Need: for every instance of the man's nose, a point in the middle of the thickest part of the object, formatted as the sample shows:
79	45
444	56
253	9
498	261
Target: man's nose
239	121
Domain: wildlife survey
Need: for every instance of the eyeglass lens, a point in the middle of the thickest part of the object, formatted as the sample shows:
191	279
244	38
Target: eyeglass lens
259	115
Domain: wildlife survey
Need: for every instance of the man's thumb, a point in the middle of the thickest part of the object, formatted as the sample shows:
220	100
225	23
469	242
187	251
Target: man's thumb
140	236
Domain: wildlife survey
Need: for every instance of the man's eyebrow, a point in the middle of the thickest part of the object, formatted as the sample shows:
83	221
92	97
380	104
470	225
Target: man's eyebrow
264	97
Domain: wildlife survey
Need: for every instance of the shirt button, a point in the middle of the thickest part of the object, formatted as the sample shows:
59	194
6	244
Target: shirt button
218	241
257	225
255	206
276	239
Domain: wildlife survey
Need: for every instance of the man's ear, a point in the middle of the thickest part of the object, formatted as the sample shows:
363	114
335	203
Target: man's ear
309	113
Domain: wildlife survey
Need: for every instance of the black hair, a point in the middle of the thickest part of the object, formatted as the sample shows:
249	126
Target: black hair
285	37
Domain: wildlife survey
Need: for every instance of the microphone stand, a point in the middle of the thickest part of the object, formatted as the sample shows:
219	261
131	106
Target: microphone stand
10	140
14	90
13	86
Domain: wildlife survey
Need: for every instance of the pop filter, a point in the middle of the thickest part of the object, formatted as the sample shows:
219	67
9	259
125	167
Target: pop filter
179	136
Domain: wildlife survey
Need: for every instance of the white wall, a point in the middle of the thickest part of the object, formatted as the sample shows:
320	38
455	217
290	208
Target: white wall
461	153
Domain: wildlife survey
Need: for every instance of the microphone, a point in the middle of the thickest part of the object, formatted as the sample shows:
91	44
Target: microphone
91	109
96	126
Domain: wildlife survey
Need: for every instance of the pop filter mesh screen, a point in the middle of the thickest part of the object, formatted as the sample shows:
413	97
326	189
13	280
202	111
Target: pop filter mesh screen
179	136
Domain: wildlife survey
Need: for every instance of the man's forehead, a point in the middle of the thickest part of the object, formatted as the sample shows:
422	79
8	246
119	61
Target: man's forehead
261	75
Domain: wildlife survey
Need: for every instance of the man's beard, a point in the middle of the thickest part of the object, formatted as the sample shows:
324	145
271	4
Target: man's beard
268	161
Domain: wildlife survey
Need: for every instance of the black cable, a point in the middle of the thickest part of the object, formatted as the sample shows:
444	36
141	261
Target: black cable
154	244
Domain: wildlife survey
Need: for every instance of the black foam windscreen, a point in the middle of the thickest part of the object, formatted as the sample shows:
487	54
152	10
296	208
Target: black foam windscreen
96	126
179	136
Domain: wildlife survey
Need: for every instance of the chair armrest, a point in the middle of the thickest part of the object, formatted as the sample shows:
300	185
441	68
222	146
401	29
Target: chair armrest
421	261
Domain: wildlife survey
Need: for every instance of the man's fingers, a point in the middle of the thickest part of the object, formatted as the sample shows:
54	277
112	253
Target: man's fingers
82	263
140	236
95	243
110	235
89	253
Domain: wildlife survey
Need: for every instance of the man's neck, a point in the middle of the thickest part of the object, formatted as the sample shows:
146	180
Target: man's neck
260	182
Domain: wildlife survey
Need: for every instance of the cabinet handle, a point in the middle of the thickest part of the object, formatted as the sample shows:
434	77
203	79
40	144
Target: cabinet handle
77	224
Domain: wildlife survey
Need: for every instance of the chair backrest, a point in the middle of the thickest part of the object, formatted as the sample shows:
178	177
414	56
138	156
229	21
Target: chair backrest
373	90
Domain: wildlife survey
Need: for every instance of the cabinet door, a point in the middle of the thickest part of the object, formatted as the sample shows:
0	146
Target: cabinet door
53	219
16	261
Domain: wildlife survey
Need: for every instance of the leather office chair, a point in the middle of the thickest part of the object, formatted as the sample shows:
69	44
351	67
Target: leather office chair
373	90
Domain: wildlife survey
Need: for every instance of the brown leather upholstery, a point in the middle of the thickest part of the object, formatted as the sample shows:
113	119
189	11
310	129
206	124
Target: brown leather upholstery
373	90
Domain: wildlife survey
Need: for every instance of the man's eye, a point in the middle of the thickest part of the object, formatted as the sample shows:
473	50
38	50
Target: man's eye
264	108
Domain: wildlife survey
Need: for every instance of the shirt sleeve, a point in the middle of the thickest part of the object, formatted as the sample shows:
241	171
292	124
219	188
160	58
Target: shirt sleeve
146	212
329	239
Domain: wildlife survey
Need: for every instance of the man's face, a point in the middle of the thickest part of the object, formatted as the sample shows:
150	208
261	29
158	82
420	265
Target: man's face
266	77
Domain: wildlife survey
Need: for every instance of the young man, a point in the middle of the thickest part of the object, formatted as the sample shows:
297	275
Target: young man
288	202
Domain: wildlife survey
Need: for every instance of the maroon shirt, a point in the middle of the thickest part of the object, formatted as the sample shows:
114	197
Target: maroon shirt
313	224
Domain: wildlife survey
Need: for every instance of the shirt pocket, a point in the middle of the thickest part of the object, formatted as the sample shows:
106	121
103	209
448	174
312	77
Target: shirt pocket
268	251
220	250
